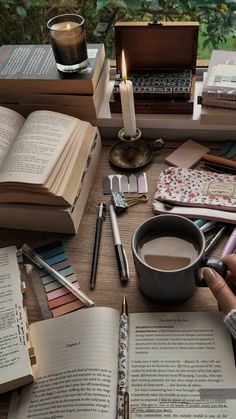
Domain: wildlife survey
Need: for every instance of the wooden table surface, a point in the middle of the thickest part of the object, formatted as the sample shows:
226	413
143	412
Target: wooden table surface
109	290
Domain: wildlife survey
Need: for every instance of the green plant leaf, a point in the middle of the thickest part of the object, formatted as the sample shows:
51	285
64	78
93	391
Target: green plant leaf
21	11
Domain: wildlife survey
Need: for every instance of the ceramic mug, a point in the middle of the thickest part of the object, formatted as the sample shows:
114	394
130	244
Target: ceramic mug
168	251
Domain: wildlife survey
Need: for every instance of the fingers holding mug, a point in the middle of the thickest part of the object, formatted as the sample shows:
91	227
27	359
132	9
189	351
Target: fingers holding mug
224	295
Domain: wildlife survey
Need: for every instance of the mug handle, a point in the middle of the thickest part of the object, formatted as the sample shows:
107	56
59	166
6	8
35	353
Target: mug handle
214	263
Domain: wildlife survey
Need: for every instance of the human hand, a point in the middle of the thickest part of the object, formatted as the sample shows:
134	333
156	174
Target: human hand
223	290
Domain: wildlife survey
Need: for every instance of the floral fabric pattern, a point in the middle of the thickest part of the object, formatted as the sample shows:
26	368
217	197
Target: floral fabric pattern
189	187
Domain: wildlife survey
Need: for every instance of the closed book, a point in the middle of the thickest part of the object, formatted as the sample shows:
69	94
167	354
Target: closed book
218	103
220	80
217	116
32	69
85	106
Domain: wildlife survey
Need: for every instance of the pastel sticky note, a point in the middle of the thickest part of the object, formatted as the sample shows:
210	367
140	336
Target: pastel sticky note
124	184
142	183
67	308
50	249
64	299
55	284
133	185
64	272
60	299
59	292
106	185
57	258
115	184
58	266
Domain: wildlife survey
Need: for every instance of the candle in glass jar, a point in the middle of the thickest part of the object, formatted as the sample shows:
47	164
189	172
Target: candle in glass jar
127	102
68	40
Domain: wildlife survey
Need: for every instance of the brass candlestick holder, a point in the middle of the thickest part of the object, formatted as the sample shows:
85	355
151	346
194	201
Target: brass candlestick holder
133	152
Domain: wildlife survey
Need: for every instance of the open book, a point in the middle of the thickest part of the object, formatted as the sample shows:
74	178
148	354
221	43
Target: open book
42	157
15	349
181	365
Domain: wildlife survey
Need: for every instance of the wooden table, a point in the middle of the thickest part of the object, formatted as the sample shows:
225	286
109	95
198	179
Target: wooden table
109	290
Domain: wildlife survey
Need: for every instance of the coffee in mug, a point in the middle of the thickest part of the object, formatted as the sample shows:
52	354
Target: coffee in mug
168	251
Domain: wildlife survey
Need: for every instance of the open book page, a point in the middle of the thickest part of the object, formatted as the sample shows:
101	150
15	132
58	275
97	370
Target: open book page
38	146
79	147
10	124
181	366
76	370
14	358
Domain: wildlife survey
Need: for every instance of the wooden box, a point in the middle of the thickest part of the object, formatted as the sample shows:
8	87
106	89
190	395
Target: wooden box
151	49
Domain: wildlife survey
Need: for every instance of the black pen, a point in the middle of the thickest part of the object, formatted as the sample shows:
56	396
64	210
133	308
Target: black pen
101	217
120	252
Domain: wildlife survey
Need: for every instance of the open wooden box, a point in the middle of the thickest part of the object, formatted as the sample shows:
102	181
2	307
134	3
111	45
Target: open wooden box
152	48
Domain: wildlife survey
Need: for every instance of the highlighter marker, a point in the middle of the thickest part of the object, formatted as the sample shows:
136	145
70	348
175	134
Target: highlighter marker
230	246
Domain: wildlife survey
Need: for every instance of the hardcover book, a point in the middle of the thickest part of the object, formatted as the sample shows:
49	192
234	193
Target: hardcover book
32	69
85	106
220	79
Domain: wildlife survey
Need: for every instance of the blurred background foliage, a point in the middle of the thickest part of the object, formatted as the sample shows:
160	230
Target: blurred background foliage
24	21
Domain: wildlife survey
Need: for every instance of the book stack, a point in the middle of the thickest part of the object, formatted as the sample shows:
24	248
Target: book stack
29	81
218	98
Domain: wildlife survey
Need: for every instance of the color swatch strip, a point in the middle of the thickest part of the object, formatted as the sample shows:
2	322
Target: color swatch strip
60	299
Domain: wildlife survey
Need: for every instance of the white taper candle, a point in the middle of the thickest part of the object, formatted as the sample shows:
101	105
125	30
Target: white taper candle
127	102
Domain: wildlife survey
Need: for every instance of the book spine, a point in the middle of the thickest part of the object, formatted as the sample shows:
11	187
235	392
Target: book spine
218	95
219	103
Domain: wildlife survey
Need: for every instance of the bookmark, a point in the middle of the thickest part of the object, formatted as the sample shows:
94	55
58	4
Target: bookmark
142	183
115	184
107	185
124	187
123	184
133	186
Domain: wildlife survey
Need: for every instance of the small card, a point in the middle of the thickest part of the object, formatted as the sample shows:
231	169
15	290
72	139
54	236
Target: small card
187	155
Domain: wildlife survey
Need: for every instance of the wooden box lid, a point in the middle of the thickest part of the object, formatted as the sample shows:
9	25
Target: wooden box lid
161	46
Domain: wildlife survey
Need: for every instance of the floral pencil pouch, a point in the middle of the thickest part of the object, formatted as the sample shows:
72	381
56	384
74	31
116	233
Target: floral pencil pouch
196	189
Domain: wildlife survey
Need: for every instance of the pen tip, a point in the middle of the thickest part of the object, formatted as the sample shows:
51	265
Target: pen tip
124	306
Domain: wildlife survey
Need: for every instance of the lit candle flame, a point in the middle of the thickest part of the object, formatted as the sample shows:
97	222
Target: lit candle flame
68	27
124	69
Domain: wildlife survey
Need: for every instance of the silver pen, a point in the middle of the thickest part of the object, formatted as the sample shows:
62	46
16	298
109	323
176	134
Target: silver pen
123	395
42	264
212	241
120	252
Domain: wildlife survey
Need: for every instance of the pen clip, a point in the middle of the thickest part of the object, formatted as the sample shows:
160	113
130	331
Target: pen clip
102	210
